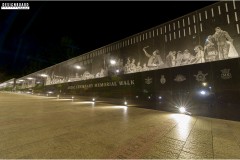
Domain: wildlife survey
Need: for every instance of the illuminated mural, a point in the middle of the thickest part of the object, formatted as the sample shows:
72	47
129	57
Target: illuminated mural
210	34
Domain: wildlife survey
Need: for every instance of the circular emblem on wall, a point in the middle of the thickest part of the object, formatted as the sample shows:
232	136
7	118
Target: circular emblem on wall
162	79
226	74
200	77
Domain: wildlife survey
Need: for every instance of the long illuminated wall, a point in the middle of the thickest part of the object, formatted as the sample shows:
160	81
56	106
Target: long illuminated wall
191	61
189	40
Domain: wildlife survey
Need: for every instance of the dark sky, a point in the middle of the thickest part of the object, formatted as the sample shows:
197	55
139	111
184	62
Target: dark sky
51	32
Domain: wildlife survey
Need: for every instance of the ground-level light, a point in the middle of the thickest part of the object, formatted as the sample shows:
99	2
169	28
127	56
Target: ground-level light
182	109
202	92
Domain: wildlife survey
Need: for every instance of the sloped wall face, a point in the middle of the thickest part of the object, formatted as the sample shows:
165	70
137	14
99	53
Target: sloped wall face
192	61
209	89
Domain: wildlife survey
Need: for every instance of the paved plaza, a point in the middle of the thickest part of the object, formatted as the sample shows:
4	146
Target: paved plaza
46	127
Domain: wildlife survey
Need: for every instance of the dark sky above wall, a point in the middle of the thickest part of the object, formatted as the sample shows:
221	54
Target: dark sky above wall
51	32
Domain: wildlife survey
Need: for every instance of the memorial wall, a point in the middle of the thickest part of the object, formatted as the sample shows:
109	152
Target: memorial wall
191	61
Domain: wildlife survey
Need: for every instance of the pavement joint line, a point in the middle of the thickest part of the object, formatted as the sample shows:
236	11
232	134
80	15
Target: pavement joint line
174	139
212	138
188	136
191	153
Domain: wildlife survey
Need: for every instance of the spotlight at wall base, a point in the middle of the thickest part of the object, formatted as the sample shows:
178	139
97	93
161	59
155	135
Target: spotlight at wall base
93	99
203	92
125	103
182	109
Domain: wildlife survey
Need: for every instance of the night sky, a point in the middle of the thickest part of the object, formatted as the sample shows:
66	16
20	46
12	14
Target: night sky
51	32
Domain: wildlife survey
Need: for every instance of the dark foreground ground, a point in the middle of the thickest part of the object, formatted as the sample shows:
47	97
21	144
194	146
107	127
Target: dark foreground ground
46	127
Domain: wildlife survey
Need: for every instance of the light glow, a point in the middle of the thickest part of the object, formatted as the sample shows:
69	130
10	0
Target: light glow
125	103
203	92
43	75
121	107
182	109
62	99
184	123
113	62
78	67
84	102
